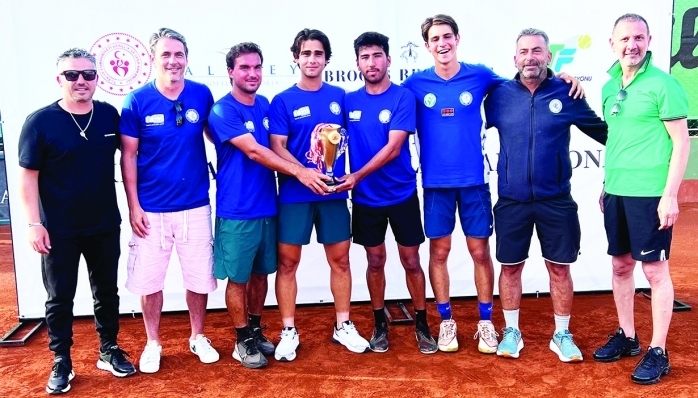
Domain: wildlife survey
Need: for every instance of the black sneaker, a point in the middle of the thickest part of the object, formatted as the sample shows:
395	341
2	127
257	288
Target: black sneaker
379	339
425	341
114	360
61	375
263	344
618	345
246	352
651	367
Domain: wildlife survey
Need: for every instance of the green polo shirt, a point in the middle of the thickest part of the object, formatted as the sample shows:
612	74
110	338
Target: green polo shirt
639	147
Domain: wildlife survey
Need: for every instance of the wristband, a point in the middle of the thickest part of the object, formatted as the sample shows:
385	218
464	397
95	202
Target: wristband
36	224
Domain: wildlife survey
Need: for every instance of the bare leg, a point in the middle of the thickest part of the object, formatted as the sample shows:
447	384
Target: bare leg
484	270
286	285
235	302
439	249
561	287
152	309
414	274
510	286
657	274
375	275
624	292
340	278
197	312
257	288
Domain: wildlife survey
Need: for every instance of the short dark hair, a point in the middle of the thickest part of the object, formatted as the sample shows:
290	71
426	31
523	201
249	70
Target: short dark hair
311	34
631	18
371	39
438	19
240	49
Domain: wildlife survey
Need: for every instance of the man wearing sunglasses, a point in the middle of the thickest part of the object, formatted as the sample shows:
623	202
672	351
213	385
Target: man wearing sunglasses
66	158
166	180
533	114
646	156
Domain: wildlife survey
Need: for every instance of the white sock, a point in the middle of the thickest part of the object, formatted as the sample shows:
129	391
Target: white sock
562	323
511	318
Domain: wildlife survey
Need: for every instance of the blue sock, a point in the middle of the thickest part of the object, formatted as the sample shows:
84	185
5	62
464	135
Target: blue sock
485	311
444	310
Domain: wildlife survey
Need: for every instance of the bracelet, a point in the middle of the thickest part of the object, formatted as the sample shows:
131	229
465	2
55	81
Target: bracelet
36	224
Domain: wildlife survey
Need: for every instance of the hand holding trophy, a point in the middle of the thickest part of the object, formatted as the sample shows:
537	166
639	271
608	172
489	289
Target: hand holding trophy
327	143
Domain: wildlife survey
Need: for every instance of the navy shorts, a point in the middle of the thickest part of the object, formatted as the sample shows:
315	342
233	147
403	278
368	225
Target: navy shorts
557	226
632	226
369	224
474	209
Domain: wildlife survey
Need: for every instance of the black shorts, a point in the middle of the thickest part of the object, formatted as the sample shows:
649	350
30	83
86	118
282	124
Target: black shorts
369	224
557	227
632	226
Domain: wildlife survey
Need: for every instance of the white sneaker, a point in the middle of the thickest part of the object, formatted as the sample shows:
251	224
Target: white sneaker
201	346
150	358
349	337
488	337
286	349
447	336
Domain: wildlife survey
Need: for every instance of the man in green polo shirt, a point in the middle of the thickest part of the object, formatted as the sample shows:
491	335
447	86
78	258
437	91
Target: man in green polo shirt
646	156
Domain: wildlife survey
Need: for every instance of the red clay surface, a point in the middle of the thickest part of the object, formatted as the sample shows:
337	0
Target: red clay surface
325	369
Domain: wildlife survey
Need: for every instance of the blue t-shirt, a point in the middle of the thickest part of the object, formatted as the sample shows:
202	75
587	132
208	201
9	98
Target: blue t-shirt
369	121
295	113
172	166
449	125
245	189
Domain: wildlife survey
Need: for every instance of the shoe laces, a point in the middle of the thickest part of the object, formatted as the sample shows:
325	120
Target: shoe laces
59	368
117	353
250	347
348	328
566	338
509	335
151	353
258	334
650	360
288	333
486	331
203	343
448	329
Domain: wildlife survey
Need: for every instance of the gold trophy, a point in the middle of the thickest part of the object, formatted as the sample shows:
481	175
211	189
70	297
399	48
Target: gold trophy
330	137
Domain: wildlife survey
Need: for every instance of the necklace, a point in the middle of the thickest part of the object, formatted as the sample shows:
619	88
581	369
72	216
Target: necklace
82	131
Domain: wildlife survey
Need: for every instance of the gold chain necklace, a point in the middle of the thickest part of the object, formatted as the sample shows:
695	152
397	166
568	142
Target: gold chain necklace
82	131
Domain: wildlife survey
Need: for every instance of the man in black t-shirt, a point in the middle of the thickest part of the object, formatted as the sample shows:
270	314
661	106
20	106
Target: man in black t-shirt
66	158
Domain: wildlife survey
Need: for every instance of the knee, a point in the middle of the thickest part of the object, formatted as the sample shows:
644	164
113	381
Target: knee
559	272
511	271
656	272
623	266
412	265
340	263
287	266
439	254
376	262
481	255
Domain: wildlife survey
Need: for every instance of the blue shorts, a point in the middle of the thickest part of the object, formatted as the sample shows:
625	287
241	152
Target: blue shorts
474	209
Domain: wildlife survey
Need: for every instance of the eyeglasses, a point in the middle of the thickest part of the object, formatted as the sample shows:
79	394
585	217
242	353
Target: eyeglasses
615	109
178	108
73	75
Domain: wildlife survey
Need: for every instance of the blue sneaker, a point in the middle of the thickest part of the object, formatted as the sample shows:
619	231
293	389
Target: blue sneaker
511	343
563	345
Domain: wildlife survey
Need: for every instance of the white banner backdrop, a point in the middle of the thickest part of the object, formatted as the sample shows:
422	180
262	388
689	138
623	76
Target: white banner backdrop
34	32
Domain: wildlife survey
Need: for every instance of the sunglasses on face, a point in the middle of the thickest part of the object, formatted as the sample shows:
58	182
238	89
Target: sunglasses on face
179	118
615	109
73	75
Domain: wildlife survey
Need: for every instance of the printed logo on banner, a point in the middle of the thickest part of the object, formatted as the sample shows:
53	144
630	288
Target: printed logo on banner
409	53
565	52
123	63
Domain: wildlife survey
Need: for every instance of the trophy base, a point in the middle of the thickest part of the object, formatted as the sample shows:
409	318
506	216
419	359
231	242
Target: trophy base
332	183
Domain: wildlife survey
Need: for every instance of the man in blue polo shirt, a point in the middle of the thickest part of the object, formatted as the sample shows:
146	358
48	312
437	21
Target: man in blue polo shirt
245	244
295	115
534	185
455	171
380	118
165	173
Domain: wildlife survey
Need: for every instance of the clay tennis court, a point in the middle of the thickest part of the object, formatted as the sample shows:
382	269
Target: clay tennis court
325	369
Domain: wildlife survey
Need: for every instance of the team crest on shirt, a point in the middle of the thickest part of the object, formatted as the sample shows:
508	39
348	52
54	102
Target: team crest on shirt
249	126
335	108
429	100
192	115
384	116
265	123
555	106
466	98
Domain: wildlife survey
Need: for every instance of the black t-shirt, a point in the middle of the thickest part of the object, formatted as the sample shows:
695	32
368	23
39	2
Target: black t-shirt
77	192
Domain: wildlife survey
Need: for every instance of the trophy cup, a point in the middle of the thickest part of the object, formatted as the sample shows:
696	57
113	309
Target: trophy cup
326	145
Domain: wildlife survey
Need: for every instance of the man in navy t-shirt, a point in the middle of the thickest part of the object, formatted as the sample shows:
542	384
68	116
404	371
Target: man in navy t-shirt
245	244
381	115
166	180
296	116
